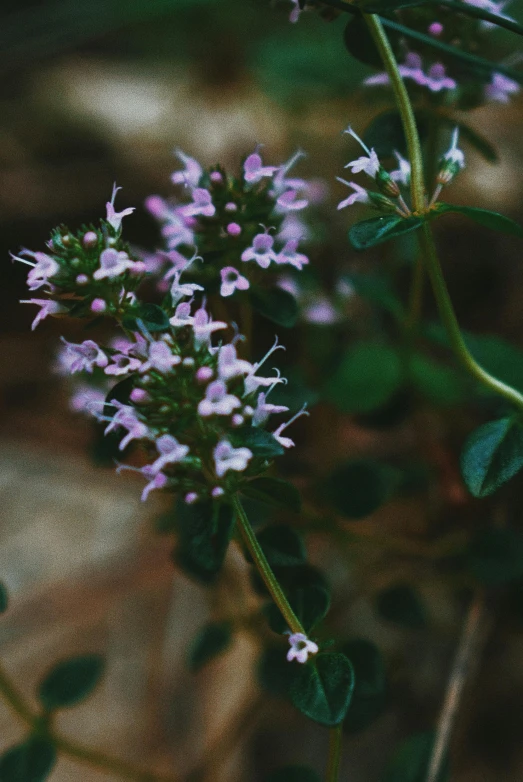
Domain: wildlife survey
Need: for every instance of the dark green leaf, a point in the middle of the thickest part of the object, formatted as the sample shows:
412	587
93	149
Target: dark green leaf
400	604
385	134
323	688
205	529
273	491
293	774
260	442
369	233
485	217
309	603
495	556
4	598
275	673
70	681
151	316
360	44
368	698
358	488
438	383
492	455
387	6
282	546
211	641
31	761
377	290
367	377
119	393
276	305
411	759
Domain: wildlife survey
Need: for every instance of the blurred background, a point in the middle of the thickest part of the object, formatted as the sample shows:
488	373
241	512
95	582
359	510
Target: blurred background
103	91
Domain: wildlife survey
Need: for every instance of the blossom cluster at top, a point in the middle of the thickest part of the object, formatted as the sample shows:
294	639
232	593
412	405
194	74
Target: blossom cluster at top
231	227
389	196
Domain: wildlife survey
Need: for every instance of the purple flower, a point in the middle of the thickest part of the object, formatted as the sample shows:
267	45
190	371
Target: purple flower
402	173
289	255
156	481
175	229
254	170
115	218
360	195
369	163
500	88
229	365
301	647
228	458
253	382
293	227
87	399
126	418
264	409
182	315
47	307
114	263
260	251
180	290
122	365
160	357
286	442
170	450
232	281
296	11
44	268
204	327
320	311
201	204
84	356
191	174
289	201
217	401
437	79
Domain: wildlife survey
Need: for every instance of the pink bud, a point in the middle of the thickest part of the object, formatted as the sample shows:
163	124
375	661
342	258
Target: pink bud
436	28
237	419
98	305
90	239
216	177
233	229
82	279
204	374
139	396
231	207
191	497
217	492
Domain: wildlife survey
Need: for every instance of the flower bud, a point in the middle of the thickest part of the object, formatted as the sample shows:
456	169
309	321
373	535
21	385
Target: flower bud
386	184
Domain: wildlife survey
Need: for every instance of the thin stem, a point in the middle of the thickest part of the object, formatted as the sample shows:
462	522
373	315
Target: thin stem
12	696
450	321
264	569
466	655
415	295
405	108
335	746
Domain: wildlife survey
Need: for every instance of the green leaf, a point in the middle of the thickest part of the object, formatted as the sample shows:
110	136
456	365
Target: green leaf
309	603
376	290
293	774
387	6
211	641
400	604
31	761
70	681
273	491
410	761
492	455
153	317
275	304
282	545
485	217
119	393
495	556
368	698
367	377
323	688
360	44
205	529
358	488
369	233
4	598
260	442
275	674
438	383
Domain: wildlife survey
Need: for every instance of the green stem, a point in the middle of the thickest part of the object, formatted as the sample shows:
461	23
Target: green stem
11	695
450	321
264	569
417	185
333	762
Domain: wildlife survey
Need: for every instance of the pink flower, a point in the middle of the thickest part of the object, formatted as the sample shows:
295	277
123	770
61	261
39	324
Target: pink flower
115	218
191	174
157	481
201	204
402	173
289	201
437	79
44	268
301	647
289	255
369	163
161	357
360	195
254	171
296	11
182	315
114	263
122	365
204	327
87	399
217	401
252	382
260	251
47	307
500	88
229	365
84	356
126	418
228	458
232	281
265	409
170	450
286	442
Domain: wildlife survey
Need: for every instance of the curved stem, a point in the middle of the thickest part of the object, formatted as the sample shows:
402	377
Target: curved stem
417	185
450	321
264	569
333	763
11	695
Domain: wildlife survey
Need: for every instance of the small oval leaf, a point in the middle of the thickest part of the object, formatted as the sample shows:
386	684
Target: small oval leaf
369	233
31	761
322	690
275	304
4	598
212	640
485	217
70	681
492	455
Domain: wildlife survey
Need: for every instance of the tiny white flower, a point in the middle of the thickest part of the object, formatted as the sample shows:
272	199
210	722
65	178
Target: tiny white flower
301	647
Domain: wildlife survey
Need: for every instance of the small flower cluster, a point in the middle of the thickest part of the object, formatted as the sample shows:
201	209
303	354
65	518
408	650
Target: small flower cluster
444	80
389	196
92	272
233	225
